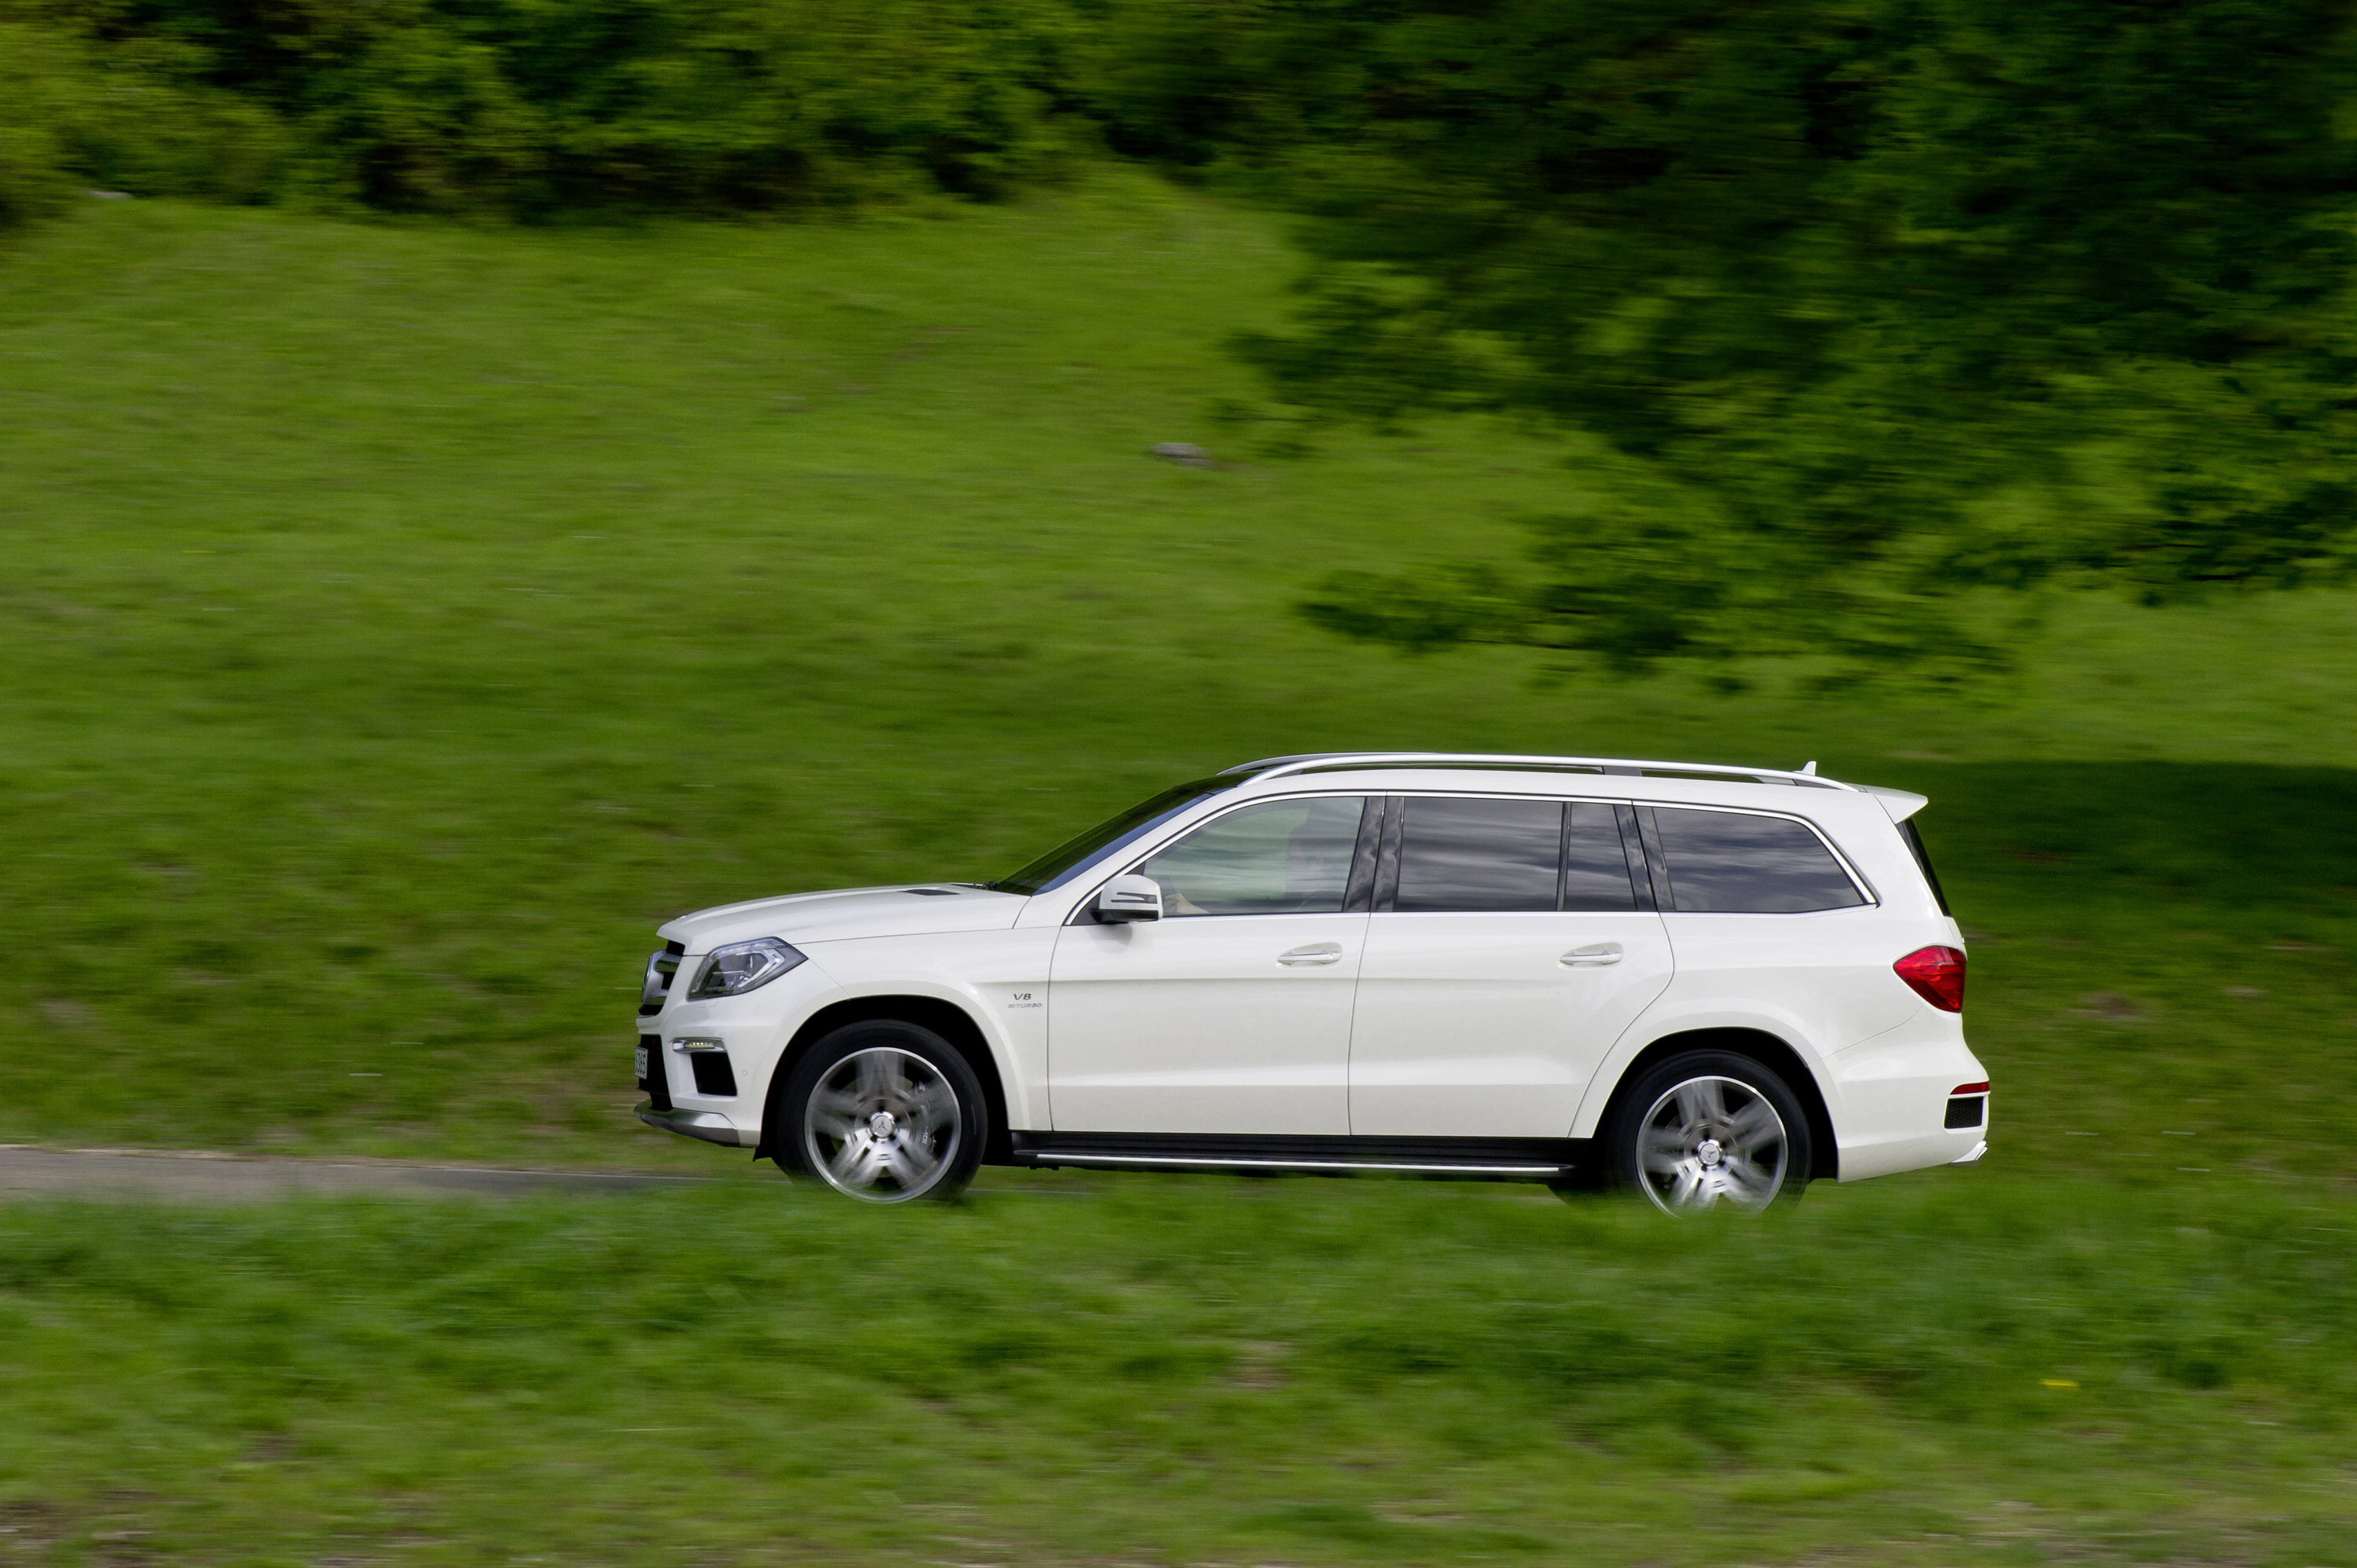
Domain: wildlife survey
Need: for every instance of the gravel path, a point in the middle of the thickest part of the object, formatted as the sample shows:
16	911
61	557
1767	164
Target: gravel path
26	1169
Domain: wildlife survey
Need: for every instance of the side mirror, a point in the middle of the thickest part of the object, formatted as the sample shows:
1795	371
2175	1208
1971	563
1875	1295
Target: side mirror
1127	898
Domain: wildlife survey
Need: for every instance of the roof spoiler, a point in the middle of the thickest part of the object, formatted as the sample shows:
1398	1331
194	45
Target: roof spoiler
1901	803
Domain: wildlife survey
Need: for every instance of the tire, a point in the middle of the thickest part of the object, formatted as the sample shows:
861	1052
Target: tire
884	1113
1707	1130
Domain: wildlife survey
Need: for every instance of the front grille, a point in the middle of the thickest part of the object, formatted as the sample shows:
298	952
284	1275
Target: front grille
663	968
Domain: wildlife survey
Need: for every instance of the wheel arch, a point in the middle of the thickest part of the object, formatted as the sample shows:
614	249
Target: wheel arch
1769	1051
947	1019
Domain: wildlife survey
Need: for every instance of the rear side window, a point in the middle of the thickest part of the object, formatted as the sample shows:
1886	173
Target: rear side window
1723	863
1478	856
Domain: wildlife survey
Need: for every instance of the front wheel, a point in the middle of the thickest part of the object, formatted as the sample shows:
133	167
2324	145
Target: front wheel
883	1111
1707	1129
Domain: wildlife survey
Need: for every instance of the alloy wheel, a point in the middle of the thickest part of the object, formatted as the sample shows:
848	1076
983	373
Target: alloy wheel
1708	1141
882	1125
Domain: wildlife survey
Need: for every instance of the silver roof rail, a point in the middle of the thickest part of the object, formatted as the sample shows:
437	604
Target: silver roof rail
1305	762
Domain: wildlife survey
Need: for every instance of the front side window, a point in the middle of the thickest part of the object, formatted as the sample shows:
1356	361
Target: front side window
1283	857
1480	856
1724	863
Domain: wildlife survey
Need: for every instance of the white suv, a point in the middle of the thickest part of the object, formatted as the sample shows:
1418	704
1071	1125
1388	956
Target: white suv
1708	983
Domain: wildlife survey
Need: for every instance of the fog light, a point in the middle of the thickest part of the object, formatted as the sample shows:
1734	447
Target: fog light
707	1058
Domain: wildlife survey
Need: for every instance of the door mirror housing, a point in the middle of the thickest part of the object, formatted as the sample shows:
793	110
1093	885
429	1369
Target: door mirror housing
1127	898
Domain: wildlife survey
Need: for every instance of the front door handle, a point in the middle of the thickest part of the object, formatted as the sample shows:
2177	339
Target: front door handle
1322	952
1594	956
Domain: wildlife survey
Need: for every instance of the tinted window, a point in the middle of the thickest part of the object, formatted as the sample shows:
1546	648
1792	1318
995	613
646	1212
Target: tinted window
1915	846
1286	857
1479	854
1595	868
1721	862
1059	865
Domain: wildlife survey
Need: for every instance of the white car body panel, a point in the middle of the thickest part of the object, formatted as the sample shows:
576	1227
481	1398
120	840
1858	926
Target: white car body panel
1198	1026
1470	1024
1425	1025
1667	1018
999	978
915	908
1894	1088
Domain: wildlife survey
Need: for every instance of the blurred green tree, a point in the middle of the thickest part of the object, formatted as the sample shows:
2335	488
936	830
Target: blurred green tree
75	115
1845	308
536	108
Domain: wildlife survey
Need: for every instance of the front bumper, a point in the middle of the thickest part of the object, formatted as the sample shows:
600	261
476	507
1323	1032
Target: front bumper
709	1125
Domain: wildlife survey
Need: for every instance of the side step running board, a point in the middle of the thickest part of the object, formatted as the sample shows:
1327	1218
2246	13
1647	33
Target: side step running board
1513	1159
1224	1162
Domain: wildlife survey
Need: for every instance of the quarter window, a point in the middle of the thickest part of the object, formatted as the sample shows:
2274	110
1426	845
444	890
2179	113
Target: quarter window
1286	857
1479	854
1727	863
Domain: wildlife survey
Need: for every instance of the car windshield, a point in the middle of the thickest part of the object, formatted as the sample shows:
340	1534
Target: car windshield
1068	859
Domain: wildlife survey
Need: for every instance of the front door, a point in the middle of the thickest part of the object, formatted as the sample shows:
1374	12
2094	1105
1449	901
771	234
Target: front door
1512	942
1232	1014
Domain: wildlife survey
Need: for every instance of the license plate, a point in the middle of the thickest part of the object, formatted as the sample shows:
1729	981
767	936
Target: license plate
642	1061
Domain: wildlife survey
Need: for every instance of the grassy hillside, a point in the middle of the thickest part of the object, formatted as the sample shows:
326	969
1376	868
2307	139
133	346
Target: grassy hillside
402	620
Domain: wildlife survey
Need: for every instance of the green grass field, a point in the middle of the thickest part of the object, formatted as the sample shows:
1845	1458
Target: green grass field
1175	1370
401	621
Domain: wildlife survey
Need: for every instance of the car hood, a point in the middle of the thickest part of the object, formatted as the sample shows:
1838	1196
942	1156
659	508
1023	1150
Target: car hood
914	908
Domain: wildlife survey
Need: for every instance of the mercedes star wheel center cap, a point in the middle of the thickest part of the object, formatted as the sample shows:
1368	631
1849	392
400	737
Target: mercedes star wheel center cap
881	1125
1708	1152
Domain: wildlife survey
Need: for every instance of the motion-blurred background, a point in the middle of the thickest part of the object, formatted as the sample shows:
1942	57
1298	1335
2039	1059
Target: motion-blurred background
480	477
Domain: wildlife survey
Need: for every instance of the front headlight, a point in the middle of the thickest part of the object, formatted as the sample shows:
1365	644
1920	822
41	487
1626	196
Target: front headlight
740	967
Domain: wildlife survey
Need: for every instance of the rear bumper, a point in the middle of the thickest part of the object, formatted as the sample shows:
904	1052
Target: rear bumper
1896	1095
709	1125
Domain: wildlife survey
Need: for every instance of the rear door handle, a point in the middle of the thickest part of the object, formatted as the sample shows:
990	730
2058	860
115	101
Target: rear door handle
1322	952
1594	956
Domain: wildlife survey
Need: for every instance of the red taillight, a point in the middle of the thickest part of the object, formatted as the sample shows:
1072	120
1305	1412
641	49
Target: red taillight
1981	1088
1937	975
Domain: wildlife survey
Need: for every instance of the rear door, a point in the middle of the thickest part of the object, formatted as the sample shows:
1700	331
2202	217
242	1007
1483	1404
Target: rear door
1512	940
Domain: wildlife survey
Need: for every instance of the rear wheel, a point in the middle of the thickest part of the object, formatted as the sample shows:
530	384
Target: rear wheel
883	1111
1710	1130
